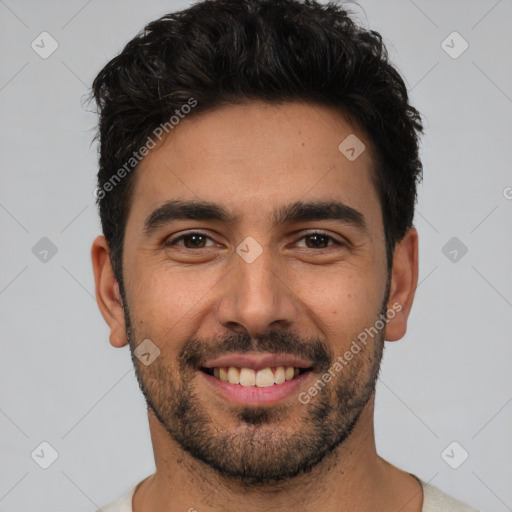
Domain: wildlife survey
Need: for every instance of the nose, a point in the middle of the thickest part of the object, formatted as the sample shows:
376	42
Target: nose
257	296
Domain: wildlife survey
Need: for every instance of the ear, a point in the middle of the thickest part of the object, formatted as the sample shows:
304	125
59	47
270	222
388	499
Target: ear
107	292
404	280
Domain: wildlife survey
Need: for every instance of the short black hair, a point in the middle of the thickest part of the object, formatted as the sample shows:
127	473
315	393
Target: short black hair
221	52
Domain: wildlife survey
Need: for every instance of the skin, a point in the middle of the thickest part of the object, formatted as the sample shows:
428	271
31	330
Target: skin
253	159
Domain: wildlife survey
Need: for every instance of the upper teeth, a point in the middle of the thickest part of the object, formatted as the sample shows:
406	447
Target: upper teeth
260	378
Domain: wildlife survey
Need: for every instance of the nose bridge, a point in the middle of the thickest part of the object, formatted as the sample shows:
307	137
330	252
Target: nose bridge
255	296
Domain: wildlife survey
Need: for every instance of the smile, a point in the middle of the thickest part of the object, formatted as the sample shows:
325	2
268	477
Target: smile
251	377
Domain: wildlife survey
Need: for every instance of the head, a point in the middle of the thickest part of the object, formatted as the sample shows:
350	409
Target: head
257	183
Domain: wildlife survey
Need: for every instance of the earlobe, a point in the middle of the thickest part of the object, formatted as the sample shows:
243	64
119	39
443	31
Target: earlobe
107	292
404	279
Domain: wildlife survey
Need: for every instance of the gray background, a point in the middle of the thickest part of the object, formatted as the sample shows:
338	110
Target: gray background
60	380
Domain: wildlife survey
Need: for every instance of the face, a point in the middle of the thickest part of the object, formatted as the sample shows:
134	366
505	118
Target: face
254	245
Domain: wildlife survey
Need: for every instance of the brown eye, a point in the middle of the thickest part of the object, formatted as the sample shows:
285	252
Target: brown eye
319	241
190	241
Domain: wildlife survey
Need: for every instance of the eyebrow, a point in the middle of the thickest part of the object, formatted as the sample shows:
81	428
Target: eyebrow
296	212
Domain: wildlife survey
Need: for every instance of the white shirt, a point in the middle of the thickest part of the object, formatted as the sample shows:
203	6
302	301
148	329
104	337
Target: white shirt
434	500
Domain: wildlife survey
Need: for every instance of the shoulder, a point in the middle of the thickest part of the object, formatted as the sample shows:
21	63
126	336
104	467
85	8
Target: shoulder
435	500
122	504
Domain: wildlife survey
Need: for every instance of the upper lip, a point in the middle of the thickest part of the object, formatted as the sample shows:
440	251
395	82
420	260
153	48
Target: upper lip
257	361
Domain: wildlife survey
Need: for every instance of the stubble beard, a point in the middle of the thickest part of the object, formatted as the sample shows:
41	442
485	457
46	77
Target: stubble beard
257	450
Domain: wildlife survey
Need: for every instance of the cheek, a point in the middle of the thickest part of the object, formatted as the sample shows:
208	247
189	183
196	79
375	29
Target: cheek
166	300
341	305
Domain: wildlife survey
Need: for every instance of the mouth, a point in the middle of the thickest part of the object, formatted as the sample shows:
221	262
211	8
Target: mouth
255	377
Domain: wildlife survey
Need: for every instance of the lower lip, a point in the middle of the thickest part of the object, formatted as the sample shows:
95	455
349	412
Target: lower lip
254	396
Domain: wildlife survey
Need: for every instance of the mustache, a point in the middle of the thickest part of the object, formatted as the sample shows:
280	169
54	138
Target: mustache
195	350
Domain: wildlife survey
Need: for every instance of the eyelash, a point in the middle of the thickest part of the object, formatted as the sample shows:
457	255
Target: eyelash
191	233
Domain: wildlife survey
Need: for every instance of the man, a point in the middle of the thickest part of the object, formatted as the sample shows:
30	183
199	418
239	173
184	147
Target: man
257	183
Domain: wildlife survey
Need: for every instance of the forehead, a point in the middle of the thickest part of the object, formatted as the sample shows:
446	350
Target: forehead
257	158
